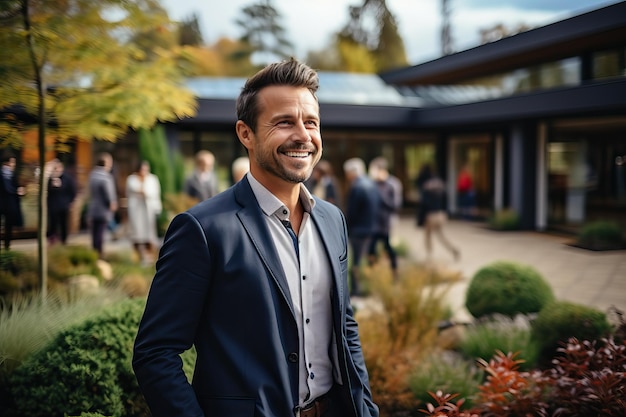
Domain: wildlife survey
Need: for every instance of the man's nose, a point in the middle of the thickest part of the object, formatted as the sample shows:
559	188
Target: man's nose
302	133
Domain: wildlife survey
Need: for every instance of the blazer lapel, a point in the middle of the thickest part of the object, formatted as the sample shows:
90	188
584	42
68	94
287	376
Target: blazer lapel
253	221
325	231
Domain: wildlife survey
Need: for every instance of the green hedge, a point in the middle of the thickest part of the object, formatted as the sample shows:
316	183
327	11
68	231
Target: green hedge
85	369
560	320
507	288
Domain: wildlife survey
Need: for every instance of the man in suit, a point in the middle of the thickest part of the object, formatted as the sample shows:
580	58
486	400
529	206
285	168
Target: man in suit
202	183
61	194
255	279
102	199
362	207
10	194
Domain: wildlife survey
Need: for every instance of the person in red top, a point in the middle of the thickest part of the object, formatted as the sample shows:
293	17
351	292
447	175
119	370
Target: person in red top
465	191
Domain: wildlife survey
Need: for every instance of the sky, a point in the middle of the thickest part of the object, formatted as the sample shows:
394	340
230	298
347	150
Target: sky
310	24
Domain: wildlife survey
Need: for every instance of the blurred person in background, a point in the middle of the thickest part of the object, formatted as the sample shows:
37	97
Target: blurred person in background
435	214
202	183
61	195
389	205
10	194
240	168
324	184
362	206
102	200
143	191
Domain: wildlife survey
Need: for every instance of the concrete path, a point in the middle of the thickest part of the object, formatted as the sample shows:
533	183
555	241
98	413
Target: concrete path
596	279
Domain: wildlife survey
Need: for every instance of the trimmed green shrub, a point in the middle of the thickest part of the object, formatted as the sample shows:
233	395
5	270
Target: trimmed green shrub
506	219
507	288
561	320
601	235
86	369
501	333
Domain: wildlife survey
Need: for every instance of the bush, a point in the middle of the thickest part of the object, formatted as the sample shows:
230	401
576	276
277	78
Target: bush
601	235
507	288
561	320
586	379
506	219
397	326
71	260
444	372
86	368
18	272
504	334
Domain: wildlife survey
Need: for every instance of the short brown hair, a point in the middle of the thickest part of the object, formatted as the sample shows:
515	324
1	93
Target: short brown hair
290	72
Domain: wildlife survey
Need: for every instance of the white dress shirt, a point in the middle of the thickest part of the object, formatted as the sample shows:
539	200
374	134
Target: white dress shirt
310	282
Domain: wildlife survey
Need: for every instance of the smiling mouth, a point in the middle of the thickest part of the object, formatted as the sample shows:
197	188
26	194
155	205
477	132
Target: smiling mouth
297	154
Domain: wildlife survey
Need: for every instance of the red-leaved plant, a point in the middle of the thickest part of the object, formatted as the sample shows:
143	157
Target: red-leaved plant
588	378
445	407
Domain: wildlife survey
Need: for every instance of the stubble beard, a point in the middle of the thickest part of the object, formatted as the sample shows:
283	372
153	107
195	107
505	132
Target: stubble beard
294	176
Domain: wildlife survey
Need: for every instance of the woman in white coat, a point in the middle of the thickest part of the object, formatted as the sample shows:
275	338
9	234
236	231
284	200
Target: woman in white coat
143	192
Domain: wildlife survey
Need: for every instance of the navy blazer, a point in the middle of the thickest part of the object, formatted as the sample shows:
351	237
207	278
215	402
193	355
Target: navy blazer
220	286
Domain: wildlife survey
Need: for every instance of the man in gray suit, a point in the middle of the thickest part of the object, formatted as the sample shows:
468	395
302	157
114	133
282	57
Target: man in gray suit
256	279
202	183
102	199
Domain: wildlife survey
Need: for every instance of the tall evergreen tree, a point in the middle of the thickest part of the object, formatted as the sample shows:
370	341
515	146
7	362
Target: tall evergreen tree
263	34
189	32
372	26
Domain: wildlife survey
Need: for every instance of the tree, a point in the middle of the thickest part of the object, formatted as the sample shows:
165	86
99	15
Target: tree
85	70
369	42
189	32
263	34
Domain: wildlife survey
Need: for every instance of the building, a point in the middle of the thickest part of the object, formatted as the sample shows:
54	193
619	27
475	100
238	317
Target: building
539	117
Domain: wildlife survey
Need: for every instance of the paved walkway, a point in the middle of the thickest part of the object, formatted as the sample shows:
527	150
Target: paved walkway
596	279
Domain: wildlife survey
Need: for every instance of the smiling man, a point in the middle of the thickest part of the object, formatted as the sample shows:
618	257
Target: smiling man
256	279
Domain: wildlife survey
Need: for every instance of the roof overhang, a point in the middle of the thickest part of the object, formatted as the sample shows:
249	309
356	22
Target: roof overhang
586	100
602	28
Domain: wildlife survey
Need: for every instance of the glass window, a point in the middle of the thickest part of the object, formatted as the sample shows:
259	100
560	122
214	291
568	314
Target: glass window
608	64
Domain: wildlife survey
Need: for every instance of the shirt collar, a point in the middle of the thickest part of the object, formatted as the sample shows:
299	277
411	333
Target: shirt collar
271	205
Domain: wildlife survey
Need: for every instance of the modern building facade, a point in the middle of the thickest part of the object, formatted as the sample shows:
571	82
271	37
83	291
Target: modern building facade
539	118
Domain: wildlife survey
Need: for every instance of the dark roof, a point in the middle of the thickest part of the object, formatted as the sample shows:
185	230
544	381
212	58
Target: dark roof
600	28
603	97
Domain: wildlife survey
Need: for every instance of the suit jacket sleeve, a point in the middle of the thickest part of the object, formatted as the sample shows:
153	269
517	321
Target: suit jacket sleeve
167	329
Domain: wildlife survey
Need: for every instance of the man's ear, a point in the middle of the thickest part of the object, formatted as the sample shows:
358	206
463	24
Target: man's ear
244	133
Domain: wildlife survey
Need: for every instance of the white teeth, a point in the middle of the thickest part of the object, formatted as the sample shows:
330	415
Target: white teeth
297	154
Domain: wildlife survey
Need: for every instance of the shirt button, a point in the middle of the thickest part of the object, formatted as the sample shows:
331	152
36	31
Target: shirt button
284	211
303	277
307	321
312	375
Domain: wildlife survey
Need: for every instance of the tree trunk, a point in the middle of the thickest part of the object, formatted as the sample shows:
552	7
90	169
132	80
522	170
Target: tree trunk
42	207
